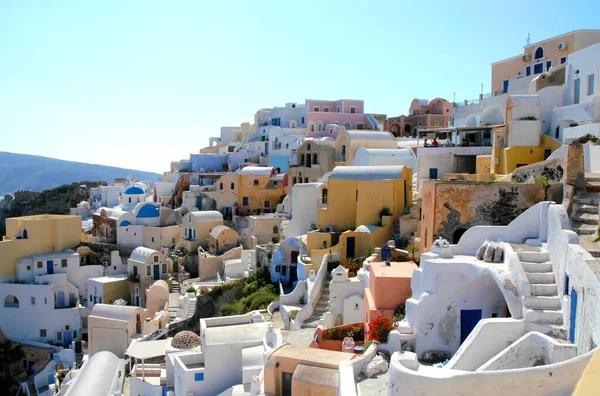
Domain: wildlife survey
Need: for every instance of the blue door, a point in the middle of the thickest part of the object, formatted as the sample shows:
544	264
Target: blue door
468	320
50	267
71	299
573	316
156	272
433	173
51	379
505	86
350	245
67	338
386	253
60	297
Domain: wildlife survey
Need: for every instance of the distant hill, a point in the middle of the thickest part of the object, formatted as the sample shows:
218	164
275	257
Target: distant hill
32	172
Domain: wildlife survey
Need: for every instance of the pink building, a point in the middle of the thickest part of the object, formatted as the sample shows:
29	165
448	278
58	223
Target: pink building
348	114
389	286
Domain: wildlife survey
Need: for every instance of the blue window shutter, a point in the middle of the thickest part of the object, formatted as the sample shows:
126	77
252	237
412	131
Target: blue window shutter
199	377
528	70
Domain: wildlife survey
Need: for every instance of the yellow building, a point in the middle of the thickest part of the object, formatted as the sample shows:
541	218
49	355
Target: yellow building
259	190
589	382
360	207
39	234
197	226
539	57
521	141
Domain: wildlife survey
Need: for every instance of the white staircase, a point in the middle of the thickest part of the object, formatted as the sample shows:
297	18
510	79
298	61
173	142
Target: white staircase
321	307
543	308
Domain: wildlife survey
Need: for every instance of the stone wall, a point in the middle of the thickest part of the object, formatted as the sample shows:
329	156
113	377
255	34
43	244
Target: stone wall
553	170
102	252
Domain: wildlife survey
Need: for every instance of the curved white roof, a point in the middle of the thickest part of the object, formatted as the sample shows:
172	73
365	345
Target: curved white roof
367	172
406	153
369	135
257	170
364	228
112	311
97	376
207	215
141	254
217	230
161	283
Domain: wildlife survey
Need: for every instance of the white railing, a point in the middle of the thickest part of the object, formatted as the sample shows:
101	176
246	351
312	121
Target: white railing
314	291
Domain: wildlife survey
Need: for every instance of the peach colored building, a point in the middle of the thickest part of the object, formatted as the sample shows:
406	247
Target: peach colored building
291	370
389	286
423	113
345	113
539	57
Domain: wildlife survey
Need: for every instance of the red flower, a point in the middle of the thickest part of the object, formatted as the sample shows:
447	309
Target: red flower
379	329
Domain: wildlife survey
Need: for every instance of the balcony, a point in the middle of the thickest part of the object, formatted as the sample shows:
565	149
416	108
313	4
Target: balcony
339	157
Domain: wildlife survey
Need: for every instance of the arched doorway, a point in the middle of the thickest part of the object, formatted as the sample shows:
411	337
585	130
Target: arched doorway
492	116
395	129
457	235
408	128
471	121
11	301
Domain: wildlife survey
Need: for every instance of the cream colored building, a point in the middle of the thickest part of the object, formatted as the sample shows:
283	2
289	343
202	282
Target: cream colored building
107	289
222	239
144	267
348	142
539	57
197	226
34	235
261	230
315	158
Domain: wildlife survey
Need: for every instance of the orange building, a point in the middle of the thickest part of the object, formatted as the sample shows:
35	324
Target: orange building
389	286
435	113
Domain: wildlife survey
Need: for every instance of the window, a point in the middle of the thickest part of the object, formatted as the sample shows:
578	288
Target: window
566	289
539	53
67	327
316	108
275	229
359	125
91	298
74	334
278	268
29	268
198	377
576	90
548	65
46	300
245	201
338	109
43	333
156	259
99	302
352	109
356	195
59	335
11	302
255	182
528	71
39	264
220	186
591	83
326	109
185	232
232	186
563	60
315	161
267	204
32	300
164	268
152	239
308	146
147	270
320	125
538	68
302	120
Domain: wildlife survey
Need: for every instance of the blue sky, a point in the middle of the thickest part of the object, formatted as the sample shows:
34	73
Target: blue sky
140	83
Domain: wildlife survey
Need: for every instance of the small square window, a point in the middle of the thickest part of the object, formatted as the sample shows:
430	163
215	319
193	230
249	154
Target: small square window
156	259
40	264
198	377
67	327
43	333
267	204
63	263
563	60
316	109
29	268
32	300
255	182
148	270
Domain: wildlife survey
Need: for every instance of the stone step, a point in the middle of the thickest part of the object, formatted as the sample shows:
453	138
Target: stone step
533	256
587	199
585	208
537	267
541	277
592	176
584	229
587	218
544	316
542	302
557	331
547	289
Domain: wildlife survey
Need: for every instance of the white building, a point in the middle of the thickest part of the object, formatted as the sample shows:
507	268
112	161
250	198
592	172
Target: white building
530	314
385	157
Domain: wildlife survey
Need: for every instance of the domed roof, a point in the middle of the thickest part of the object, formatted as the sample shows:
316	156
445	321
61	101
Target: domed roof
134	189
149	210
185	340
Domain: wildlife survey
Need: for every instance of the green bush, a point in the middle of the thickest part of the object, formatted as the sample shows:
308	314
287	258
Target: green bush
190	290
229	309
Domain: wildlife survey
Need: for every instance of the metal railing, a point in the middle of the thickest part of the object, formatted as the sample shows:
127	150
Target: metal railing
339	157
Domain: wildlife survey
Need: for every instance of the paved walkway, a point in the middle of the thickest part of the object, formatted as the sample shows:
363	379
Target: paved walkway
301	338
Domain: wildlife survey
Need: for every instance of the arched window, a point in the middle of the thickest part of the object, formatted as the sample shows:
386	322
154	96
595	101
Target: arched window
347	125
311	126
275	229
129	199
11	302
232	186
220	186
539	53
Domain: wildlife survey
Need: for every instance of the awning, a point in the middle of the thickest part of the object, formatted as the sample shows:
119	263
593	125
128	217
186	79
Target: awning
147	349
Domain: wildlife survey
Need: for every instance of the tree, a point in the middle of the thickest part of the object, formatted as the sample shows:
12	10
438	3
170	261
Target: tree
413	249
10	353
